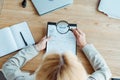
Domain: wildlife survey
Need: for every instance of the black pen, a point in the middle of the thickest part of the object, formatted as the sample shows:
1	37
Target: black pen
23	39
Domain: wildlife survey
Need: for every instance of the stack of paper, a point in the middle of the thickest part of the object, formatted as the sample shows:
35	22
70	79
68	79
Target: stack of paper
110	7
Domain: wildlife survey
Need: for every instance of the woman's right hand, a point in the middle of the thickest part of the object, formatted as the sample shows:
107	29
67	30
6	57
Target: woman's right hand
80	37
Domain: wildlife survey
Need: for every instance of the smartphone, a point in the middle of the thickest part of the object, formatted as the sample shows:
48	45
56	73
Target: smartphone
2	77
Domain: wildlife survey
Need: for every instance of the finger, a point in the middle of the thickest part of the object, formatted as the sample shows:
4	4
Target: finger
44	37
76	33
80	31
48	38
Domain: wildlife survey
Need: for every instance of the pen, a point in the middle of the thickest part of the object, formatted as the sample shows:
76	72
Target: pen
23	39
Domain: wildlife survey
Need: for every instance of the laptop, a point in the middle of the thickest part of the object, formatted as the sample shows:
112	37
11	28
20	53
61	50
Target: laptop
45	6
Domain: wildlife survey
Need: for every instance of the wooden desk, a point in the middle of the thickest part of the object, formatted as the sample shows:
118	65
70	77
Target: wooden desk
102	31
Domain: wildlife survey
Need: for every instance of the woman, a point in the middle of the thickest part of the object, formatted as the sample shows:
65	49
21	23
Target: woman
57	66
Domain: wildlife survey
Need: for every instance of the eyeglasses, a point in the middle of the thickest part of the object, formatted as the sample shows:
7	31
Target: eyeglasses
1	5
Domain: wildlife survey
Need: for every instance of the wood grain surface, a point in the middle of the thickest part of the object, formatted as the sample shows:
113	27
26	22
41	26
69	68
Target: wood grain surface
102	31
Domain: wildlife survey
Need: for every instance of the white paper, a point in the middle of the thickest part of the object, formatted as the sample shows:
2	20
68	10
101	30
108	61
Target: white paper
7	42
60	43
24	29
110	7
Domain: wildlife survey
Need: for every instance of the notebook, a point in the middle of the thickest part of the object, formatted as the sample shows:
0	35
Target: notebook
110	7
15	37
45	6
60	43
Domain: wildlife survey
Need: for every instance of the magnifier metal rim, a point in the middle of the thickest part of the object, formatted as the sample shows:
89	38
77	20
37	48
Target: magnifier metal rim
67	26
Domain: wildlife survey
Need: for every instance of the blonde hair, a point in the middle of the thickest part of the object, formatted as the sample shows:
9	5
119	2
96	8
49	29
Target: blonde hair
61	67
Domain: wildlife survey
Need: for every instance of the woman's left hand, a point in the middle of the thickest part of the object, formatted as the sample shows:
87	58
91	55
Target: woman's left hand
42	44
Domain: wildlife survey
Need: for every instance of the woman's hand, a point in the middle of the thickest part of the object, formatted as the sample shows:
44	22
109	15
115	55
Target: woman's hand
80	37
42	44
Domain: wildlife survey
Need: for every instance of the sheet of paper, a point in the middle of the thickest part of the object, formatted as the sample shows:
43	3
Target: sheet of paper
7	42
60	43
24	29
110	7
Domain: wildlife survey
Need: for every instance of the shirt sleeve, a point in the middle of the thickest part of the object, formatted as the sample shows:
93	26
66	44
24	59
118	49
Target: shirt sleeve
11	69
102	71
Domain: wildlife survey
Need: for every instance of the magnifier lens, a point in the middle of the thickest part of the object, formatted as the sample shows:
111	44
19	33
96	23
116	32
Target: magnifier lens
62	27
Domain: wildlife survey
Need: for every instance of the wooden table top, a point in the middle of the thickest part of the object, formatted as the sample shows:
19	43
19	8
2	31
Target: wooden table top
102	31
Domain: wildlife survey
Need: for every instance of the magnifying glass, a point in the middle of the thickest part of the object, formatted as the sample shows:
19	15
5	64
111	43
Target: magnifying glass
62	27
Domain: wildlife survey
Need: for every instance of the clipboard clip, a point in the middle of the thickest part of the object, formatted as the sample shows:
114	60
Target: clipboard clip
63	26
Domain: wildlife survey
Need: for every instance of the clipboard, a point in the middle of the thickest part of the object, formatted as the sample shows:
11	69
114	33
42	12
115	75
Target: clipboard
61	42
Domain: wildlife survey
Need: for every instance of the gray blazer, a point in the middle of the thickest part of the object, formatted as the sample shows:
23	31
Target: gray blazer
11	69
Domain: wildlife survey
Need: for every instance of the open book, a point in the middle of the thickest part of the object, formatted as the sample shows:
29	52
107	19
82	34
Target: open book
60	43
15	37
